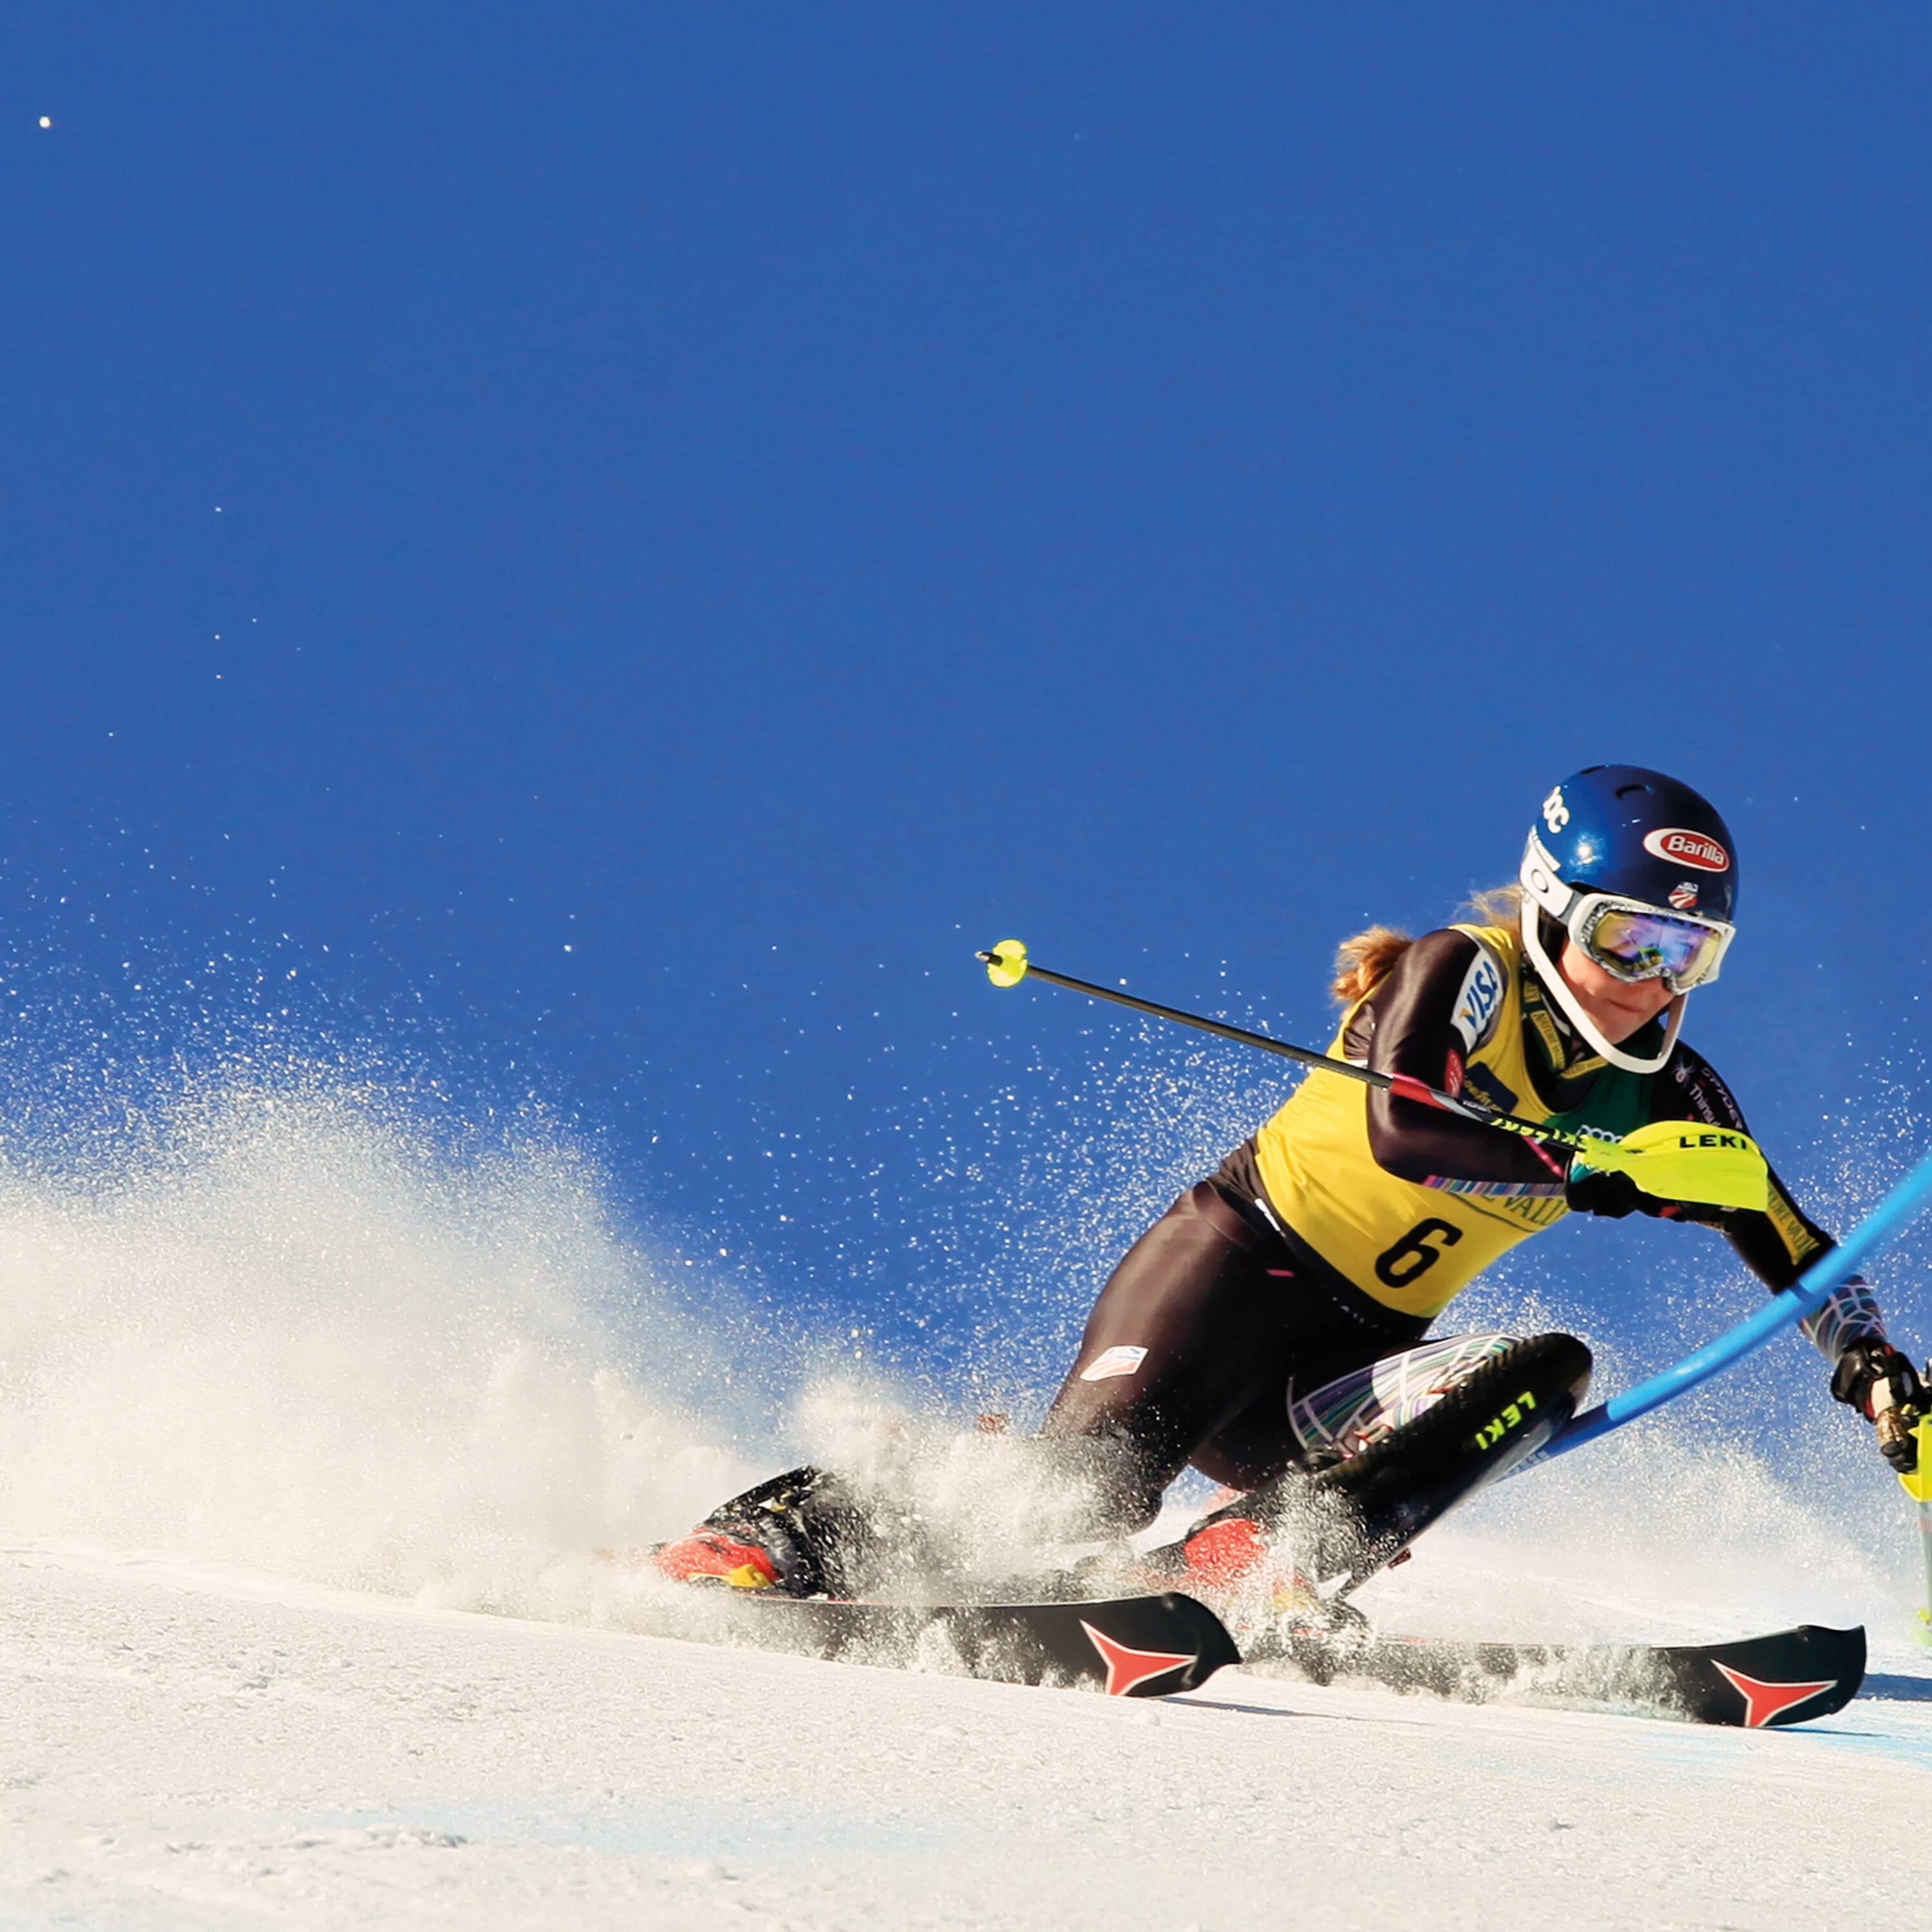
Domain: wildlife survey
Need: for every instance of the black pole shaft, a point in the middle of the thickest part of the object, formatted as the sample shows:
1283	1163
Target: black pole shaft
1402	1087
1305	1055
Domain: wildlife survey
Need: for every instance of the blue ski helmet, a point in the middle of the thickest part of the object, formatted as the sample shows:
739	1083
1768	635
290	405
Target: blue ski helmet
1640	872
1620	829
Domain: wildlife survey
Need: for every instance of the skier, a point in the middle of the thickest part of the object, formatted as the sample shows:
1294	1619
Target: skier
1268	1329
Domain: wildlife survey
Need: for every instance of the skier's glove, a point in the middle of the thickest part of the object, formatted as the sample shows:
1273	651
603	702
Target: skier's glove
1587	1190
1878	1381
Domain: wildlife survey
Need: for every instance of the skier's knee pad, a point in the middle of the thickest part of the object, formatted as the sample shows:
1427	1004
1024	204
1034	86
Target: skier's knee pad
1357	1500
1346	1416
1497	1415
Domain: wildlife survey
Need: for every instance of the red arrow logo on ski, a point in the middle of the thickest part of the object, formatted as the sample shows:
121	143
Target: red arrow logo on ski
1128	1669
1764	1701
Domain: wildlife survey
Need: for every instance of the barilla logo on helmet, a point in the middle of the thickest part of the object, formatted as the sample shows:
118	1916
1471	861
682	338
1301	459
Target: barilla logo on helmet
1694	849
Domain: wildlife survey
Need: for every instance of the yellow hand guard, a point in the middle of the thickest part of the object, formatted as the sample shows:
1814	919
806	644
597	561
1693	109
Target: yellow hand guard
1918	1485
1678	1160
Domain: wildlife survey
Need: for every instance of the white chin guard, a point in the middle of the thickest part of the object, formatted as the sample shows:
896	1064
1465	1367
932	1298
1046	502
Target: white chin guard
1543	891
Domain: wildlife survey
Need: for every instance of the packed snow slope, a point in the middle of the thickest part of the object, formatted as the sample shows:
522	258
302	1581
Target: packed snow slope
313	1417
188	1751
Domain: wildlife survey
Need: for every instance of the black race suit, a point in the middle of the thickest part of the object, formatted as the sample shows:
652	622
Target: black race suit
1231	1307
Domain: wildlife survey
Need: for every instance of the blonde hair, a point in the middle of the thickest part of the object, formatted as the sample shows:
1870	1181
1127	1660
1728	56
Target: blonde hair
1501	905
1362	962
1367	957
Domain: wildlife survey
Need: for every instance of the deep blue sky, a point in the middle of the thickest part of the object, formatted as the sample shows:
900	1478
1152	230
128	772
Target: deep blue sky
649	532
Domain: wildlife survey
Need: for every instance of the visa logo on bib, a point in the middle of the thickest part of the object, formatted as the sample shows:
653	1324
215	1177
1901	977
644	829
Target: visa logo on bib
1477	1004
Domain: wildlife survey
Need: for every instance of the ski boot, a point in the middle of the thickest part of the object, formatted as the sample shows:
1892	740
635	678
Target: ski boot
1237	1561
803	1533
1249	1568
715	1555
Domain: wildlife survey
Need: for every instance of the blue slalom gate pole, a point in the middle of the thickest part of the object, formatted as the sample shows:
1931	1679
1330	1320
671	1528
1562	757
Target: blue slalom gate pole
1814	1287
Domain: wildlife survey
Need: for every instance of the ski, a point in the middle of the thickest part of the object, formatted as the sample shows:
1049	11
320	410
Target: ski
1347	1519
1789	1677
1141	1646
1159	1645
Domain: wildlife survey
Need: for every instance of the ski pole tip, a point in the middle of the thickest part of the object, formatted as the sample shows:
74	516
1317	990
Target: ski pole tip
1005	963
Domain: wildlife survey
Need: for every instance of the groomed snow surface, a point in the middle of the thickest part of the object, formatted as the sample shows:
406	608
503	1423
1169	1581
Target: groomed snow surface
309	1430
190	1750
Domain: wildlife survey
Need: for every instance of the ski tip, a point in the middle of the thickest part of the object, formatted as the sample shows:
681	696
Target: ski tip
1218	1647
1790	1677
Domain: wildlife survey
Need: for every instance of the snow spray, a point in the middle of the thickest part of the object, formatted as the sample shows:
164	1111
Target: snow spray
294	1330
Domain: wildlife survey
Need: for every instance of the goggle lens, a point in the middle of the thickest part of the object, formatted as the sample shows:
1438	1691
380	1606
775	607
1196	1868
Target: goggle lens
1635	946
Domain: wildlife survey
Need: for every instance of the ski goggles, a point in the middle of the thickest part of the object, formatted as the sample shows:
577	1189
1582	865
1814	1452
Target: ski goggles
1634	942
